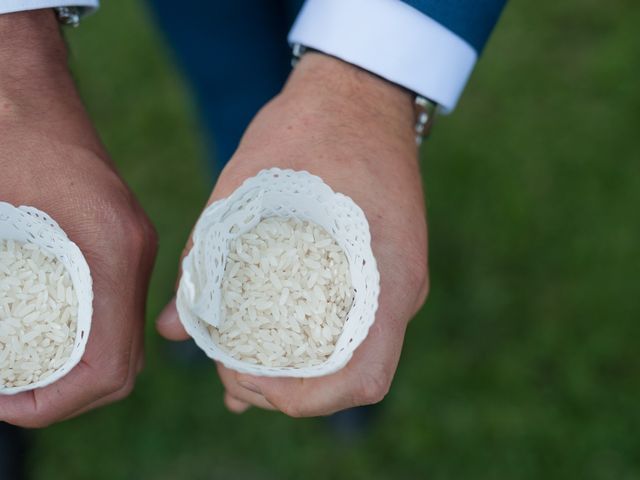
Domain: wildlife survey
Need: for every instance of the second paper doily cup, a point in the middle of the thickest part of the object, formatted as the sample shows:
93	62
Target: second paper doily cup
277	193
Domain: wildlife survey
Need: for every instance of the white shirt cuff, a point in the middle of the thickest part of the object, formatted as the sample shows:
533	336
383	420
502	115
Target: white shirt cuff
391	39
10	6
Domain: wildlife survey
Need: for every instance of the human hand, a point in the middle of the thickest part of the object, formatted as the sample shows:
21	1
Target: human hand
355	131
51	158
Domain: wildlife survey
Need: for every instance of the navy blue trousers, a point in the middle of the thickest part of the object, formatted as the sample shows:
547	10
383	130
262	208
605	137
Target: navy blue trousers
235	56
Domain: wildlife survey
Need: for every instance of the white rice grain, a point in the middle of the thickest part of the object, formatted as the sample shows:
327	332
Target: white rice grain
38	314
286	293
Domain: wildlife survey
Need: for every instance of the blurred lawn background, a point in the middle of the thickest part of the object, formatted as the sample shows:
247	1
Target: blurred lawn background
522	365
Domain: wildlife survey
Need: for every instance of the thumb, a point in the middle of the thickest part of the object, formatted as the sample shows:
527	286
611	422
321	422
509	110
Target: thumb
169	325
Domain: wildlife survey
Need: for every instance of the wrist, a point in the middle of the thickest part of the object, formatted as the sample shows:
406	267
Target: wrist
33	55
326	83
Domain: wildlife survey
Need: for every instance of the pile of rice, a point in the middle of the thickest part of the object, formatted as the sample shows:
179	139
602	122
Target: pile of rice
38	314
286	292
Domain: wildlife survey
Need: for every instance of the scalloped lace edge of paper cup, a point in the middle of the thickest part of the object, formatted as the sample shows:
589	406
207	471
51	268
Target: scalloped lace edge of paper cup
217	212
28	224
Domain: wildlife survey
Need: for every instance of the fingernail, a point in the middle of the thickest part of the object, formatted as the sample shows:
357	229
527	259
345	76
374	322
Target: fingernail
250	386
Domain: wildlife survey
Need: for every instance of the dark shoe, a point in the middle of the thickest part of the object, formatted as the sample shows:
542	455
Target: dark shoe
13	448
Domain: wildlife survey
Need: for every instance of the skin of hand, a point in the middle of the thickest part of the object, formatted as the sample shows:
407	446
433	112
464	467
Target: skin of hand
51	158
355	131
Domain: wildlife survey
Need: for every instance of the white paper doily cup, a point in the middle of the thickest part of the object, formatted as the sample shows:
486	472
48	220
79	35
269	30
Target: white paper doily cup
277	193
30	225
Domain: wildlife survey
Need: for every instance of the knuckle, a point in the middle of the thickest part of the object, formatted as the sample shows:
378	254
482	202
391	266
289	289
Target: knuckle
116	379
424	291
125	390
418	276
289	405
373	387
292	409
133	231
418	272
126	226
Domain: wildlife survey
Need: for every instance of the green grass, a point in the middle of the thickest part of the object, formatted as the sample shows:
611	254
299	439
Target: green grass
523	364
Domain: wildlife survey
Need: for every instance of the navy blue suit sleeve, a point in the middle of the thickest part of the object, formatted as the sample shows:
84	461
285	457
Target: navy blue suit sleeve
472	20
